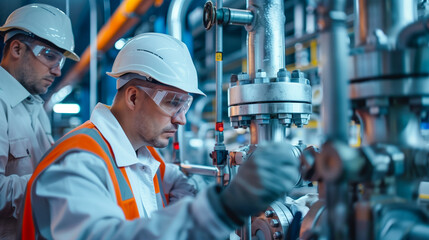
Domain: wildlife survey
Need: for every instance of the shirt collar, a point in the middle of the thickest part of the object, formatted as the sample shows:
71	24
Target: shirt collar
112	131
12	89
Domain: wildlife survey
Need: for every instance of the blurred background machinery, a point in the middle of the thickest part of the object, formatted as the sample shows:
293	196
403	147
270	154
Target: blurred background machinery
371	192
344	81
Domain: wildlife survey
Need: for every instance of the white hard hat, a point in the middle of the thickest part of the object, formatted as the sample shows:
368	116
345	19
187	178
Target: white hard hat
158	56
46	22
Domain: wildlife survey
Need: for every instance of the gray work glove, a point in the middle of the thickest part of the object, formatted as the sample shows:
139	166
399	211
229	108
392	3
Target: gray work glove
269	172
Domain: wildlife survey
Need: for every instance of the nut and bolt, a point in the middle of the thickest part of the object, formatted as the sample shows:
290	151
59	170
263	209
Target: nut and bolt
269	213
233	80
274	223
243	78
283	75
261	77
299	77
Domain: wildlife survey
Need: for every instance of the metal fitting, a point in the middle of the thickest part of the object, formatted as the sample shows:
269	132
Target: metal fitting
243	78
262	119
283	75
269	213
274	223
298	77
233	80
300	119
238	157
261	77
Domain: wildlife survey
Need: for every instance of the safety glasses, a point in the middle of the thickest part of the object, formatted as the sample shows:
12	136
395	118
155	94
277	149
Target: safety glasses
172	103
51	58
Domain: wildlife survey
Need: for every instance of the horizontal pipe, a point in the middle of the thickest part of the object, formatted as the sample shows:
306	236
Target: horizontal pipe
418	232
126	16
234	16
199	169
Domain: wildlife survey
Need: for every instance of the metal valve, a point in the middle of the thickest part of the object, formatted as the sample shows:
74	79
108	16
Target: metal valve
209	16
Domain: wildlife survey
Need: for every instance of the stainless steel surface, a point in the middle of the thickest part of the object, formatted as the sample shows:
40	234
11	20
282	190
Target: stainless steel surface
397	125
176	17
388	16
272	131
266	37
412	33
334	51
286	97
384	64
267	108
400	88
238	16
269	92
199	169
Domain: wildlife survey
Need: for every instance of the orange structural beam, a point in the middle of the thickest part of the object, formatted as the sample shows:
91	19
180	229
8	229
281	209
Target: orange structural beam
123	19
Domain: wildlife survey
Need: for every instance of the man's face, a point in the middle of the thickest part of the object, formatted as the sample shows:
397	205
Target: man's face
154	125
35	75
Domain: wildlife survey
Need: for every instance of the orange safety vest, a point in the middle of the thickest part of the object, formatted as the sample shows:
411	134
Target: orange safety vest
87	138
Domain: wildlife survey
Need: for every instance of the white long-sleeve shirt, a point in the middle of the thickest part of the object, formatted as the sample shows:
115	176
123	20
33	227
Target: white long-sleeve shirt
25	135
75	198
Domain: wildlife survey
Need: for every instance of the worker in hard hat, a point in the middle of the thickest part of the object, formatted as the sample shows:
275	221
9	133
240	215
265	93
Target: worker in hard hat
38	38
105	179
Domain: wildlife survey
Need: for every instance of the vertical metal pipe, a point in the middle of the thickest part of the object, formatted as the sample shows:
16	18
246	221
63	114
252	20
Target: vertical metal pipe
334	55
266	37
335	106
93	58
175	21
274	131
68	8
219	75
219	68
360	22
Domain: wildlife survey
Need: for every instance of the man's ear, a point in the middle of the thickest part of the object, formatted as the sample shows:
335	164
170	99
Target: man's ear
130	97
16	49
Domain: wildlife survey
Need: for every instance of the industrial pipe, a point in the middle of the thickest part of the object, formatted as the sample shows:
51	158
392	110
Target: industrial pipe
93	53
335	109
219	152
412	33
199	169
334	55
234	16
266	38
175	19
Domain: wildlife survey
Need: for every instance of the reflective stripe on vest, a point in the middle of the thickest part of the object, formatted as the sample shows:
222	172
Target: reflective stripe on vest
87	138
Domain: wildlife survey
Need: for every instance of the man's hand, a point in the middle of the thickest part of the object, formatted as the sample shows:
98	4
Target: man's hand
270	172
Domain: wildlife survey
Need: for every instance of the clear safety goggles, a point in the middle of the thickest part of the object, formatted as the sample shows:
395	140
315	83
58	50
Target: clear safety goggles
171	102
48	56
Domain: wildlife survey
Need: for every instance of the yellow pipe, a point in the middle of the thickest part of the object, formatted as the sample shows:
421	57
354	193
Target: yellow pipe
125	17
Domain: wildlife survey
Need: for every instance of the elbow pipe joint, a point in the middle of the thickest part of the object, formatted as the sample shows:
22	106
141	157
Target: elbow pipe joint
411	35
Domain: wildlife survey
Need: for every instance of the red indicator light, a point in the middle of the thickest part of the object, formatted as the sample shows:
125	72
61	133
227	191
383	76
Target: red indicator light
219	126
176	146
